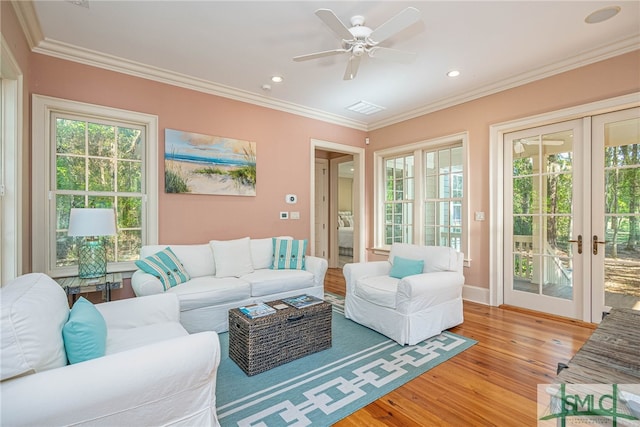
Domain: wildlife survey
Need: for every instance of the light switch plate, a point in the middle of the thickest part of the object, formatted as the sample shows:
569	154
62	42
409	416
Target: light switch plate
479	216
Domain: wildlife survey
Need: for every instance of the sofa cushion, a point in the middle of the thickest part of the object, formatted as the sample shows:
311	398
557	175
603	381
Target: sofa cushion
122	339
232	257
166	266
85	333
379	290
289	254
436	258
403	267
196	259
268	282
208	291
34	310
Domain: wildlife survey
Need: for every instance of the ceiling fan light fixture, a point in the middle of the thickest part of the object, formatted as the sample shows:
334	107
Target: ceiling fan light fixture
602	15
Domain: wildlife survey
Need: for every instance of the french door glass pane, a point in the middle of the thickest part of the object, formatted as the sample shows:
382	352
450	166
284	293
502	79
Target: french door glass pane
622	214
542	208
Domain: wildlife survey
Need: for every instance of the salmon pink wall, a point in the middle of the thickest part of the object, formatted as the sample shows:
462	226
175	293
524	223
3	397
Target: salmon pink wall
607	79
282	145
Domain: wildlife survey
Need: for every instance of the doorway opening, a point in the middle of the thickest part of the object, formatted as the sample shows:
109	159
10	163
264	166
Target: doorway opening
341	236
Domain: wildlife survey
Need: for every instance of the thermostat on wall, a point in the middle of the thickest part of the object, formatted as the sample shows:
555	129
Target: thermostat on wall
291	198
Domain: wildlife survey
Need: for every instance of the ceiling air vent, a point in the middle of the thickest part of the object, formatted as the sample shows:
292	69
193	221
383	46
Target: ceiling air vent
365	108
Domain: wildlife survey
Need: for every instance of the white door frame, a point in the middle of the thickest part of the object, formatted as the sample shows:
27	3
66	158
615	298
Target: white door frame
324	164
496	176
358	193
11	191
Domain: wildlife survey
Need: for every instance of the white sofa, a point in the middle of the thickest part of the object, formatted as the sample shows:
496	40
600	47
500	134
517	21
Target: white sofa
153	372
229	274
409	309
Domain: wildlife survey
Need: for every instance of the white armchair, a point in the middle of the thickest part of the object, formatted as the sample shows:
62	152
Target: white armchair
153	372
412	308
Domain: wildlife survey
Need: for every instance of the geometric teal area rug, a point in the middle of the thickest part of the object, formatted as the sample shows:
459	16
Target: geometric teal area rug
322	388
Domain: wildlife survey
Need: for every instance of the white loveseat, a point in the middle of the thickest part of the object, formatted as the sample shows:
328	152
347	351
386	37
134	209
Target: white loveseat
153	372
229	274
412	308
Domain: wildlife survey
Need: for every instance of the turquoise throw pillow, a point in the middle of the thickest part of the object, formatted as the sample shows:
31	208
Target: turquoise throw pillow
403	267
289	254
166	266
85	333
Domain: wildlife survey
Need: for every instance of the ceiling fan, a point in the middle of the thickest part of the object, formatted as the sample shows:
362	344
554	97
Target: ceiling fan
518	145
358	40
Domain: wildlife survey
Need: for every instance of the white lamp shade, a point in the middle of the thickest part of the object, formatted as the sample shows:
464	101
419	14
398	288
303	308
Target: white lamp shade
92	222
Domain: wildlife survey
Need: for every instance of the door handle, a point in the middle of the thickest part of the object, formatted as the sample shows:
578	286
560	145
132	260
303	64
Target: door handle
579	242
596	243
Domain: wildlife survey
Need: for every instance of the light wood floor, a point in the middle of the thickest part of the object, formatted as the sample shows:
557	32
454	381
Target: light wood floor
492	383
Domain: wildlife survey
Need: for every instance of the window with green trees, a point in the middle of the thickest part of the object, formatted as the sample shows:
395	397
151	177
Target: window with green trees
423	196
98	164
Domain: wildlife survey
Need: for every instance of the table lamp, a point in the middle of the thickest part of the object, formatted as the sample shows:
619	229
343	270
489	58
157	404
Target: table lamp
91	223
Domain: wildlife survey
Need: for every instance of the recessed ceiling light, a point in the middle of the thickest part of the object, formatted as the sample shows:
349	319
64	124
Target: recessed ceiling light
453	73
602	15
277	79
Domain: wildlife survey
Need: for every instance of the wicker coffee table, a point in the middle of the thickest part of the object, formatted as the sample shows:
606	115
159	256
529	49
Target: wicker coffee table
257	345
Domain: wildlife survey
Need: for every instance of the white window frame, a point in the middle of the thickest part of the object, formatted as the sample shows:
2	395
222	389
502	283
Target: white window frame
417	150
42	148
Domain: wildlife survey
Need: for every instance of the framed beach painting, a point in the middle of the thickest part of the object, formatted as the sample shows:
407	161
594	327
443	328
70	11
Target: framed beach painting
203	164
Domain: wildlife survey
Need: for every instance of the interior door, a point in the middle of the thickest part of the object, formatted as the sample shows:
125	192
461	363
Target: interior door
614	242
543	238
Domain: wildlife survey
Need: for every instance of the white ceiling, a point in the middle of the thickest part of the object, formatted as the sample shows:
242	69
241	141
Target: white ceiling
232	48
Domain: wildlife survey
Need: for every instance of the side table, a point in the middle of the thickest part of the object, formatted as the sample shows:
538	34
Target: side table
75	285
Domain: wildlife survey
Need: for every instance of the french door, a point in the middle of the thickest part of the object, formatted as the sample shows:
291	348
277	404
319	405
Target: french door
572	221
615	237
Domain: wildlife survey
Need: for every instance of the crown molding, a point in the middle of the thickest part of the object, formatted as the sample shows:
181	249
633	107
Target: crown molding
29	22
585	58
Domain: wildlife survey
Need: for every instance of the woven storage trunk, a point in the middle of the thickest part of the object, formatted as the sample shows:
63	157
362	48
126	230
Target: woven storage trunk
257	345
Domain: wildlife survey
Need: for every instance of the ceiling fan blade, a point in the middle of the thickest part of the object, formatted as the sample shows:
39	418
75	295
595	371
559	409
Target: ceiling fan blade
394	25
333	22
319	54
392	54
352	68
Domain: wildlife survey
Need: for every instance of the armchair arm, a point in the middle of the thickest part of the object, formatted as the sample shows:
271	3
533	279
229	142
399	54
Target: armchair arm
145	284
354	271
134	387
317	266
135	312
420	291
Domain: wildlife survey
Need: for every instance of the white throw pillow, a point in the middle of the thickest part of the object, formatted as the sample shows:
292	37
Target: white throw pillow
232	257
261	253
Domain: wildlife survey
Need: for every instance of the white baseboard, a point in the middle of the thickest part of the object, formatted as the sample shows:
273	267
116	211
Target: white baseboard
475	294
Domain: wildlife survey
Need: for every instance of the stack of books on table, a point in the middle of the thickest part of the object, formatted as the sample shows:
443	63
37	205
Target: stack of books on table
257	310
302	301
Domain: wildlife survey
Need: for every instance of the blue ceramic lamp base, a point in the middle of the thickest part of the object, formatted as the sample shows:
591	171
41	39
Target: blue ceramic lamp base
92	260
